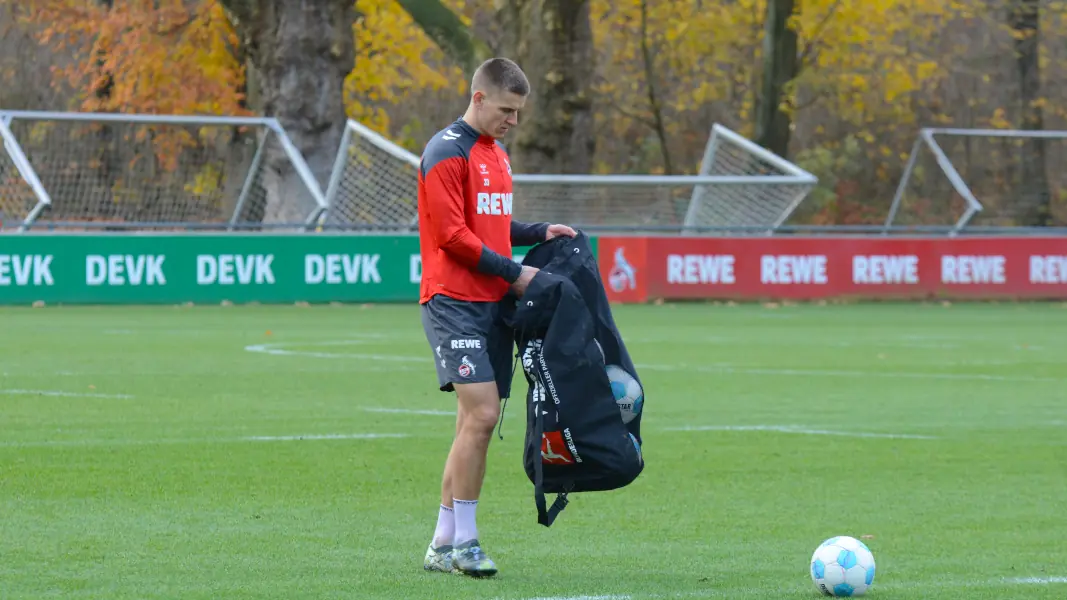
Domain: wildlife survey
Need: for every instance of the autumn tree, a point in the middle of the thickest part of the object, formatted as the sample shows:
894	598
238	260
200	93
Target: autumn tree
174	58
291	60
299	54
868	75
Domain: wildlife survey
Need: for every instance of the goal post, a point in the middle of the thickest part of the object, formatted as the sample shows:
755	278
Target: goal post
22	197
741	187
750	185
957	178
136	171
374	183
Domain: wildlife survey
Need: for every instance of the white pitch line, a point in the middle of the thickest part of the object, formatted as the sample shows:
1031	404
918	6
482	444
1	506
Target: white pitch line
608	597
61	394
732	369
801	430
276	350
328	436
411	411
1037	580
160	442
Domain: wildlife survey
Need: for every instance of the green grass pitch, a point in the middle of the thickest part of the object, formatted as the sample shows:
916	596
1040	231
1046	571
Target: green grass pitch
260	452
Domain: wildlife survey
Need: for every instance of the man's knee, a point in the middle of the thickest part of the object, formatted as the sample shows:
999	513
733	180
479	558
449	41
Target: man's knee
479	405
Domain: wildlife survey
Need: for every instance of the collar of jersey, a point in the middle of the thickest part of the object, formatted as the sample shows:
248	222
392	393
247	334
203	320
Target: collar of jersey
468	129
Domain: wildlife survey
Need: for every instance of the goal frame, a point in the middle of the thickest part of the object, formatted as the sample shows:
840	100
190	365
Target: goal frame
792	175
927	138
29	174
22	165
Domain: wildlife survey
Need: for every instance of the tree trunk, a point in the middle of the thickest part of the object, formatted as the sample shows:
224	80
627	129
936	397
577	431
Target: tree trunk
299	53
654	103
779	68
552	41
1034	209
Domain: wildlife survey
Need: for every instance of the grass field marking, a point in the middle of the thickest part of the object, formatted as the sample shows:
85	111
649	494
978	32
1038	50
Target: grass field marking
726	368
278	349
800	429
409	411
1035	580
62	394
738	341
164	441
326	436
787	589
607	597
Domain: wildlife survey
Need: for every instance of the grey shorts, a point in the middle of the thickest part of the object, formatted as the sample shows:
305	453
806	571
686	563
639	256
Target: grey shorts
469	342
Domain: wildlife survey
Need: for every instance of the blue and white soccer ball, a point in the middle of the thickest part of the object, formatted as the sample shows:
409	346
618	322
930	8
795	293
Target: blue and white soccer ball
627	391
842	566
637	447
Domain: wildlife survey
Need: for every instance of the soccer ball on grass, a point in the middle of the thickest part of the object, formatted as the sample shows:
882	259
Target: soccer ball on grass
842	566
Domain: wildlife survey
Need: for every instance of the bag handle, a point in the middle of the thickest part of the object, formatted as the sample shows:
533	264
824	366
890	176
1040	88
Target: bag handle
545	516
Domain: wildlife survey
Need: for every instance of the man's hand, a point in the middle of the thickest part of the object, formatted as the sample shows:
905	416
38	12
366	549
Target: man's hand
519	286
554	231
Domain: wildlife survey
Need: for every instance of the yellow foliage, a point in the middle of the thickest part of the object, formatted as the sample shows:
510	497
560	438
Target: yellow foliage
206	181
701	53
870	54
866	61
394	58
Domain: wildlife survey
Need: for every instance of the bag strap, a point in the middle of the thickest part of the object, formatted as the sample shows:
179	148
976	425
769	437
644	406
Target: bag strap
545	516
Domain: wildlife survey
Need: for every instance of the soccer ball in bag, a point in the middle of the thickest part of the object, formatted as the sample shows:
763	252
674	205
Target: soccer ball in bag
842	566
627	392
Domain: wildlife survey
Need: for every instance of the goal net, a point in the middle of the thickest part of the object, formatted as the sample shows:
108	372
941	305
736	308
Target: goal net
21	194
374	184
122	171
753	188
957	178
741	185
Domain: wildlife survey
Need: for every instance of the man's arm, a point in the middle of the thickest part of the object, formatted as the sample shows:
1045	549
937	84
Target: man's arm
444	202
527	234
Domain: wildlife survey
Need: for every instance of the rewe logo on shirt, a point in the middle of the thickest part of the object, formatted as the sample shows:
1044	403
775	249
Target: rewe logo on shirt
494	204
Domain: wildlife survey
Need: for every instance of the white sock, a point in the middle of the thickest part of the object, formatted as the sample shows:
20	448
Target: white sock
466	528
446	527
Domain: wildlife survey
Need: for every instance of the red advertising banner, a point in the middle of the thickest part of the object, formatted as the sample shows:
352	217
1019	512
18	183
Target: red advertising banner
637	269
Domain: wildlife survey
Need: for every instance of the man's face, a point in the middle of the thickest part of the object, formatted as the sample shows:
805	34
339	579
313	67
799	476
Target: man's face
498	111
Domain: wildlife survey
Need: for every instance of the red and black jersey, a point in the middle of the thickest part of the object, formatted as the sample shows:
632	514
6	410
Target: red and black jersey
465	226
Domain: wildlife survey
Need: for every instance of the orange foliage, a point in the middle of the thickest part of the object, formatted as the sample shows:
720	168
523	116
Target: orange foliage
172	58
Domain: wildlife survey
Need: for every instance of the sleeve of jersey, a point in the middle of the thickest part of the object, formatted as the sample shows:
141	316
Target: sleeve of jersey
444	193
527	234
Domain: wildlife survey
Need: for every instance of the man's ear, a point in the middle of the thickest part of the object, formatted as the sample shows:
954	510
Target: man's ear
478	97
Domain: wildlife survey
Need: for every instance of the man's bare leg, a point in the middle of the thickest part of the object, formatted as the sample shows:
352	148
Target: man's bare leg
446	478
477	415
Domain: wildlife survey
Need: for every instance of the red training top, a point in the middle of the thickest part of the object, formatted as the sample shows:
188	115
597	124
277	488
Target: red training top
465	203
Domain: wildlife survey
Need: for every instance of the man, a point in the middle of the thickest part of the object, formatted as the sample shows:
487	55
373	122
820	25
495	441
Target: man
466	235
